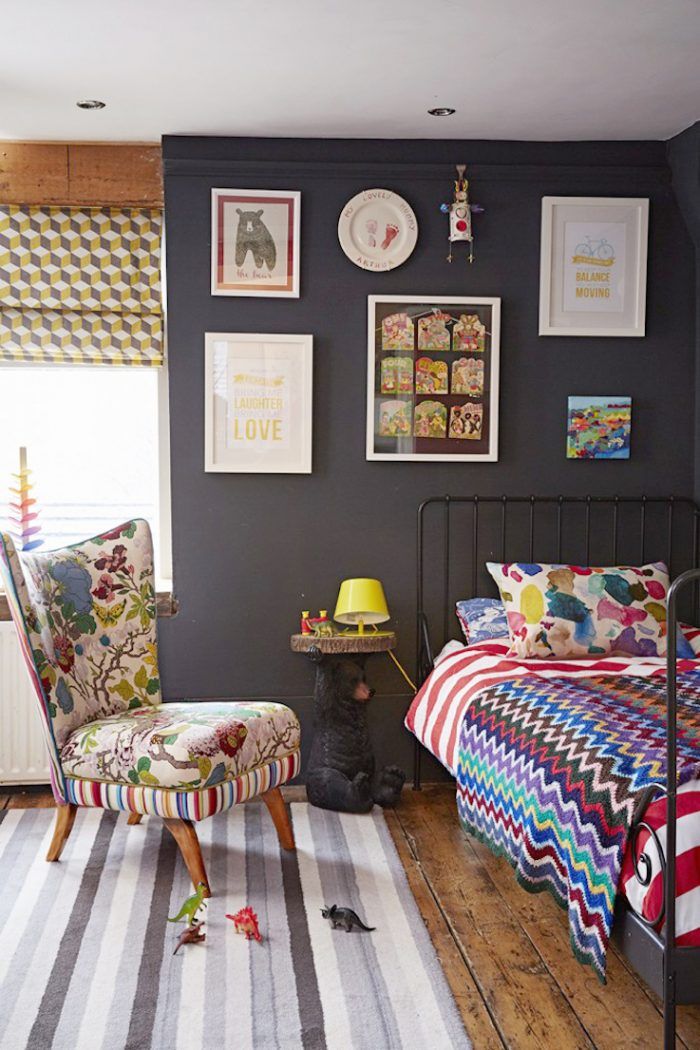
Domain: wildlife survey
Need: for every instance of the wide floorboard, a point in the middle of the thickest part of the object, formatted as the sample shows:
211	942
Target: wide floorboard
505	952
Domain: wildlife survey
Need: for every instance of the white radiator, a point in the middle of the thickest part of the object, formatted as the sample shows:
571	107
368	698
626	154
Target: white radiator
23	758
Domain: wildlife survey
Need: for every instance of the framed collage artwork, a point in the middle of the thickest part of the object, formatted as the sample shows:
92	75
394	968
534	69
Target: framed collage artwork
593	266
432	378
258	403
255	242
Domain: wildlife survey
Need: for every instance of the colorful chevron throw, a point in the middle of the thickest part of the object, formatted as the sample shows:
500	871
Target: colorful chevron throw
549	774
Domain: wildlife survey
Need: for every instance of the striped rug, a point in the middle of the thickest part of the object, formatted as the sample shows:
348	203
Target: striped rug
86	954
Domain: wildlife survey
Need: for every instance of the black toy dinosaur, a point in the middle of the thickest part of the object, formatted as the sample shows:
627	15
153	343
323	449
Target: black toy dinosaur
345	918
341	773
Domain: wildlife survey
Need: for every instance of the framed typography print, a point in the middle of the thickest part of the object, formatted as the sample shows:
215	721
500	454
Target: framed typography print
258	402
255	242
593	265
432	378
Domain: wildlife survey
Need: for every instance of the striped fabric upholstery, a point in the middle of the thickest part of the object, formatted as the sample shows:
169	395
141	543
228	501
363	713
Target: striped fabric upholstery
188	805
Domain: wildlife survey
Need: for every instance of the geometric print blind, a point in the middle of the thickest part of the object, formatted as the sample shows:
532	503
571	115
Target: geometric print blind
80	286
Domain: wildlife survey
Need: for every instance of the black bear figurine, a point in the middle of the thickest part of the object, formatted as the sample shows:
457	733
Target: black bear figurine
341	771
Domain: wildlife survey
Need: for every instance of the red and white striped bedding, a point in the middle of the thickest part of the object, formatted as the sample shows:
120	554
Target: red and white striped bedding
436	714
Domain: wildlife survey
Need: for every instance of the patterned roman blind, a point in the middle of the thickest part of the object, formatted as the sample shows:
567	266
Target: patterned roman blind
80	286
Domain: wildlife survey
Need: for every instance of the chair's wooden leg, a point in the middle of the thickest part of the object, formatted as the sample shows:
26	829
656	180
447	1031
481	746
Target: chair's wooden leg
186	837
134	818
65	816
280	817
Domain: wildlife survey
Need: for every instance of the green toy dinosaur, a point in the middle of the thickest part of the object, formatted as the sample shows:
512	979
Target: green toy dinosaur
191	906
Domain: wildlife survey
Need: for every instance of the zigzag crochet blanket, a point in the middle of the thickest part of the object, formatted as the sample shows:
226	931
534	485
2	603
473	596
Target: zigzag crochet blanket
549	775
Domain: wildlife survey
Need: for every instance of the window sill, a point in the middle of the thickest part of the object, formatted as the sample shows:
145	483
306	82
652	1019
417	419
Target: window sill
166	604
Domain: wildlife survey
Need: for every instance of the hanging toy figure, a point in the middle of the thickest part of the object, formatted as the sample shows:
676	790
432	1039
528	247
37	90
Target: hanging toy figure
460	212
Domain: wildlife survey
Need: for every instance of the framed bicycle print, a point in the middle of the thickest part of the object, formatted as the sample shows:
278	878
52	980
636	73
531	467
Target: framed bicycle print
257	403
593	265
432	378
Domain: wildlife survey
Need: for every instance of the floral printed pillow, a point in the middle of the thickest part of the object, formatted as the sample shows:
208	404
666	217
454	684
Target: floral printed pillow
482	619
572	611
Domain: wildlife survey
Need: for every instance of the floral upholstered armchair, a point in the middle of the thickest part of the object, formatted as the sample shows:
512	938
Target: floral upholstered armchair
86	619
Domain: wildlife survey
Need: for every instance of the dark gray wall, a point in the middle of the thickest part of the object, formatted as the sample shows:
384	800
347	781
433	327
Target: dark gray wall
684	159
251	551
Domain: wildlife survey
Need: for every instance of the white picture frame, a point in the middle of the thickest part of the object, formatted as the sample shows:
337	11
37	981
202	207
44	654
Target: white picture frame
485	349
260	258
593	266
258	403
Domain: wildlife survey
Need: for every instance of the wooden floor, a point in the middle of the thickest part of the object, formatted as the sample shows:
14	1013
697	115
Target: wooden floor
505	952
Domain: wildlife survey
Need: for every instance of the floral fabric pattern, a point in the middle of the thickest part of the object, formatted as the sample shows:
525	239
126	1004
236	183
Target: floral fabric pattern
90	613
181	745
571	611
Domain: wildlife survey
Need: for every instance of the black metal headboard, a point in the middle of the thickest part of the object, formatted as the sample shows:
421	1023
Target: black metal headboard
457	535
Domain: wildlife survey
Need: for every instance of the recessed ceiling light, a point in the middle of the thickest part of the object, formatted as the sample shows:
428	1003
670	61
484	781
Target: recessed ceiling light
441	111
90	103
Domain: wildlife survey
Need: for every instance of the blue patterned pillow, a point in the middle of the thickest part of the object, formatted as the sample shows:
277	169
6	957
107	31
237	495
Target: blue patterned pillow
482	619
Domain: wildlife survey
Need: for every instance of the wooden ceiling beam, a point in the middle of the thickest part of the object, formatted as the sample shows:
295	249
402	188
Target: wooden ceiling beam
81	174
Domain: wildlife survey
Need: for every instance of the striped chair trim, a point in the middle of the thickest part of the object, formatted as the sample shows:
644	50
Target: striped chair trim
188	805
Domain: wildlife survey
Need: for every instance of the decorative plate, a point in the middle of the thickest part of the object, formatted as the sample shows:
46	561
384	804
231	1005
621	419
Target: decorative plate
377	230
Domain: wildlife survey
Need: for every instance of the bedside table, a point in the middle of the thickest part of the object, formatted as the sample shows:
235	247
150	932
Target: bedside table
345	644
341	773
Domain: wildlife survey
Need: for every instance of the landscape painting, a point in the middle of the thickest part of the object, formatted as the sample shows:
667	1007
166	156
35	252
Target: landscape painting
599	428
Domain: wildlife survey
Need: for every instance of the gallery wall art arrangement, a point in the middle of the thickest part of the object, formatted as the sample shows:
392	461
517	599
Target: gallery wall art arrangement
364	481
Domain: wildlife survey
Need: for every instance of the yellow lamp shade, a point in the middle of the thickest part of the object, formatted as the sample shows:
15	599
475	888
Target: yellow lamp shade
361	601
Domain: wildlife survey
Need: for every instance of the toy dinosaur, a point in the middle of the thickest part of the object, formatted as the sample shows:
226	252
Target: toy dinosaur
191	906
345	918
246	921
322	628
191	935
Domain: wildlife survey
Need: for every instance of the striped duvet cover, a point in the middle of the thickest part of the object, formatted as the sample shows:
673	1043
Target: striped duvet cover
550	758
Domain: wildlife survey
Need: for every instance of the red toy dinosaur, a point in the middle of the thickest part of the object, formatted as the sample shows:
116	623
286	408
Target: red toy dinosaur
246	921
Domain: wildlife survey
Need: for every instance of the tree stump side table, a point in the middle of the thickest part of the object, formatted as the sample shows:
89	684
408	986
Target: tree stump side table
345	644
340	774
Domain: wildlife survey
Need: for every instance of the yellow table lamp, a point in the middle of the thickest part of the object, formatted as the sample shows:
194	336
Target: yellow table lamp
361	602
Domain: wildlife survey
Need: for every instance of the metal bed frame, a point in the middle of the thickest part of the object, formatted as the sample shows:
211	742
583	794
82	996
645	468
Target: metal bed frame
654	527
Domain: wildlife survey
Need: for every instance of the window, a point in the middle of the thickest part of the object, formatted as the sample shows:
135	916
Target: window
93	446
83	385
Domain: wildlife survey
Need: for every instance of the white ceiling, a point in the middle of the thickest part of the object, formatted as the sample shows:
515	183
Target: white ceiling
513	69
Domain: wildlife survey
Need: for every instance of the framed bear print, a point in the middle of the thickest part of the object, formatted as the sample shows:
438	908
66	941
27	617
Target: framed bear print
255	242
432	378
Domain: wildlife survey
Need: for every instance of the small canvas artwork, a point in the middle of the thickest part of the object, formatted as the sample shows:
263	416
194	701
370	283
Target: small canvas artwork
397	332
397	375
433	333
431	376
469	334
599	428
468	376
395	419
466	421
430	420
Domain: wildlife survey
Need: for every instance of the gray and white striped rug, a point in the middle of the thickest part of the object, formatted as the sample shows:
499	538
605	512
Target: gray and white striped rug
86	954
